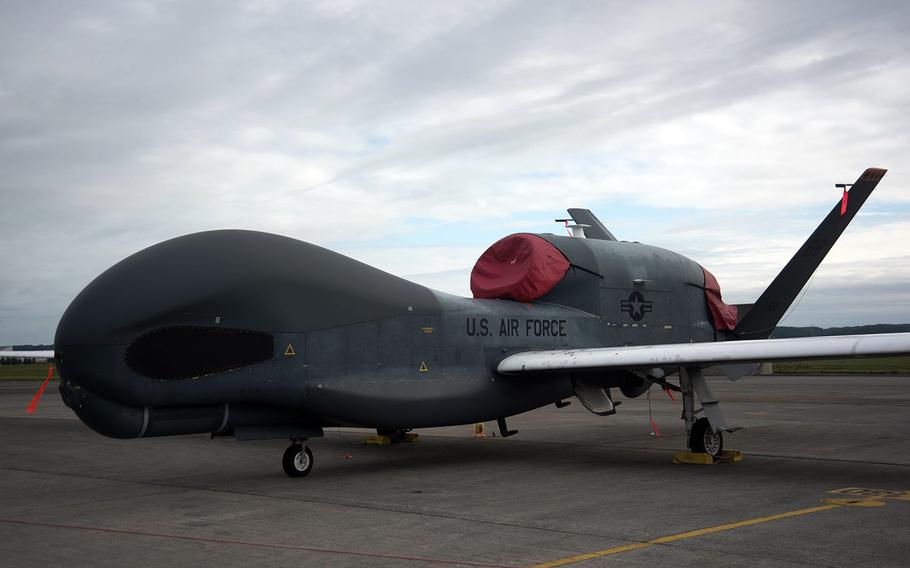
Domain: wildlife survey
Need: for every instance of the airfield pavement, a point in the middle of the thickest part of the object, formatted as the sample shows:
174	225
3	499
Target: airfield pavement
570	489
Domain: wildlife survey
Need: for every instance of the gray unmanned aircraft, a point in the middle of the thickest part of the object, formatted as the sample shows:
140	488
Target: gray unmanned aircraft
261	336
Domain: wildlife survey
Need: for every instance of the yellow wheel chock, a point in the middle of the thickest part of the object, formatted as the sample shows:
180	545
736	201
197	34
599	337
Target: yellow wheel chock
386	440
698	458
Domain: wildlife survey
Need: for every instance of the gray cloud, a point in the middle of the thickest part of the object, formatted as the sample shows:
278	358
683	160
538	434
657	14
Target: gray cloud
130	122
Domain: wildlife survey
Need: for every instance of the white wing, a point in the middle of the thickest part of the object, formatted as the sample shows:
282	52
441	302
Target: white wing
705	354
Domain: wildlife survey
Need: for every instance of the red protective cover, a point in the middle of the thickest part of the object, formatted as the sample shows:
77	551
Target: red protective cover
519	267
724	315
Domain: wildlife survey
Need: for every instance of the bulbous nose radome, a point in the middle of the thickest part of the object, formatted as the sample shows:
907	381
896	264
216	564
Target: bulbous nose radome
189	292
200	305
211	290
223	278
235	279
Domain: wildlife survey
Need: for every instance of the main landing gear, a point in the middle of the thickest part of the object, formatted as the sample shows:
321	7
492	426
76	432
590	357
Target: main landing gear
298	459
703	440
706	434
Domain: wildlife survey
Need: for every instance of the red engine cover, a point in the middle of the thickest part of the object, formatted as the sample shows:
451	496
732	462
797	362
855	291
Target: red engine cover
724	315
519	267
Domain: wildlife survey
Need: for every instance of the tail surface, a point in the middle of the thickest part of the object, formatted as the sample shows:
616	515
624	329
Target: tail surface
593	228
760	320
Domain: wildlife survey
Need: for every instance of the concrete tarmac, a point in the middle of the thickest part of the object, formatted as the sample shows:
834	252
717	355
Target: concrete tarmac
571	489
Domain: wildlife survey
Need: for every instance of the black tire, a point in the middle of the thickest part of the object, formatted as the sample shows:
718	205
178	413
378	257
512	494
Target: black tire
297	460
704	441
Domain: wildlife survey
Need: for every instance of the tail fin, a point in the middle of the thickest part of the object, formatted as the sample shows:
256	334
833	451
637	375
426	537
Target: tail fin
770	307
594	229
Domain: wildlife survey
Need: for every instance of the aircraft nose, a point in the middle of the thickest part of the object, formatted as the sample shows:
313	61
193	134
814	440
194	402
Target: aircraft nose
135	339
207	303
121	331
175	282
184	308
192	306
229	279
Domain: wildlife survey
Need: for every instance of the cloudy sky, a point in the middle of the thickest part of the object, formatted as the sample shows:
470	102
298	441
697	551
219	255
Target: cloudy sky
411	135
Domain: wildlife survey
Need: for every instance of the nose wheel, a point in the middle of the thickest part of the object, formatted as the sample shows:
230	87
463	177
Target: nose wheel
297	460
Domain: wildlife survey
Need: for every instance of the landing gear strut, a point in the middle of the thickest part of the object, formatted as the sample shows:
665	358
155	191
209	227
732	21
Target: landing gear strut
298	459
703	438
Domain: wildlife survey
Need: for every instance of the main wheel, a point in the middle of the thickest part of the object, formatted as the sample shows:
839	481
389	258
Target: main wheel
297	460
704	440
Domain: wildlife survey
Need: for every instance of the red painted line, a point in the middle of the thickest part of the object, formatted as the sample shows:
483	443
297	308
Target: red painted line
34	403
257	544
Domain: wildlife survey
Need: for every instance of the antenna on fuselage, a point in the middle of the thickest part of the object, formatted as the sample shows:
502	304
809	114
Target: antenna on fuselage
576	231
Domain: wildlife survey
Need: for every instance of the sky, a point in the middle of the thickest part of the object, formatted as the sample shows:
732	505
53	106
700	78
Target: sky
412	135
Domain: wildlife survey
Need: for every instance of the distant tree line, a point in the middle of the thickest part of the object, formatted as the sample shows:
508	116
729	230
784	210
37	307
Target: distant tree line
812	331
17	360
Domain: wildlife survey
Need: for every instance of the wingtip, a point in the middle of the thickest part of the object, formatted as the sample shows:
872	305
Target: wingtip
873	174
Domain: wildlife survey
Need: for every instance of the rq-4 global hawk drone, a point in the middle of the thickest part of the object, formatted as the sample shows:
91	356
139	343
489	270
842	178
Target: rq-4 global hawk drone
261	336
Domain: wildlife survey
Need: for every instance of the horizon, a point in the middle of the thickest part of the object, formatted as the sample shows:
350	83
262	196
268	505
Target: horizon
719	134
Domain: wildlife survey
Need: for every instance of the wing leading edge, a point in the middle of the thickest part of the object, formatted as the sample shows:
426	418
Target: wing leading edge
706	354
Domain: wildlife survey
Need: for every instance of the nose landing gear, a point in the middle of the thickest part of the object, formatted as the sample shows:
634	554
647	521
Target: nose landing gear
298	459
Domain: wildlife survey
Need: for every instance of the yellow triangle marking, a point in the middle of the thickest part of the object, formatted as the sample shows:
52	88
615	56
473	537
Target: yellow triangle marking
289	352
423	367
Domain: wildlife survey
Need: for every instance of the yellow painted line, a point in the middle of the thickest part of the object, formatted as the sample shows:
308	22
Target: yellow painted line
746	523
691	534
867	493
855	502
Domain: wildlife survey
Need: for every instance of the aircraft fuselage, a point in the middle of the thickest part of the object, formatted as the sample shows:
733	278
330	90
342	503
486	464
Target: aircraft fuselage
260	335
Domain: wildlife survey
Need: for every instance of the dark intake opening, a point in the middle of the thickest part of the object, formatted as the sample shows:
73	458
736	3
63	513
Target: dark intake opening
188	351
